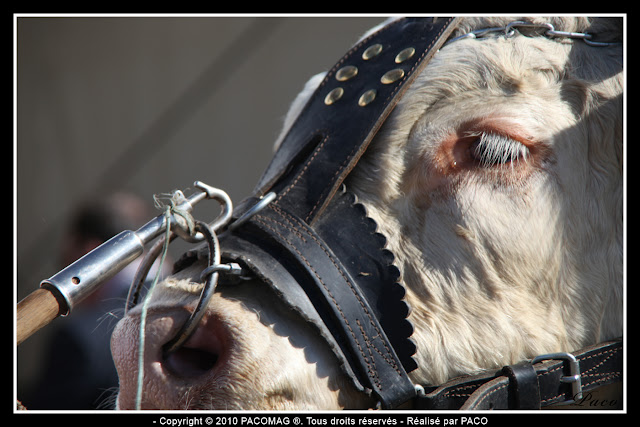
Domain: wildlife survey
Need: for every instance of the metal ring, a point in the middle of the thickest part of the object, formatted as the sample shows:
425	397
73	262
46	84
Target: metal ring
207	291
141	275
230	268
268	198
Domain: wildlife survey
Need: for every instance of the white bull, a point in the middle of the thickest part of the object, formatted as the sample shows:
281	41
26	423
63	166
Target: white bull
498	183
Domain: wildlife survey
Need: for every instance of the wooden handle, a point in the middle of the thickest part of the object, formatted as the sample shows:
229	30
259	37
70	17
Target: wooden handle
35	311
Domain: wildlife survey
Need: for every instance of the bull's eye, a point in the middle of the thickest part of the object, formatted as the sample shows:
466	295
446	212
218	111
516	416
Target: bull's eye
492	149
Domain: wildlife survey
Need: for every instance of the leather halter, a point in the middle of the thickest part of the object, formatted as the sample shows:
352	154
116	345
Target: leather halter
315	246
321	248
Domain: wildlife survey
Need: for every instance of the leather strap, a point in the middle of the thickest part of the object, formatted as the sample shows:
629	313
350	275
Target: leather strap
339	278
523	383
515	388
347	311
330	135
353	289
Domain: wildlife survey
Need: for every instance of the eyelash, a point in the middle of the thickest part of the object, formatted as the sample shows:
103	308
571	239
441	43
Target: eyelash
490	149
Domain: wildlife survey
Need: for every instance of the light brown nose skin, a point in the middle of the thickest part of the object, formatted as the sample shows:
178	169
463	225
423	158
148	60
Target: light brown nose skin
247	353
166	376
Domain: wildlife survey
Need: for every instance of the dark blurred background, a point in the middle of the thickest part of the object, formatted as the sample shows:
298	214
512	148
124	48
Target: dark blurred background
146	105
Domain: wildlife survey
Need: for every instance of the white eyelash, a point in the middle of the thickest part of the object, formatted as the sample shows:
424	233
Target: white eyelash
493	149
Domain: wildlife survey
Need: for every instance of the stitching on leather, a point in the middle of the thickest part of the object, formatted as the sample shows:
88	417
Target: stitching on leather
399	84
455	392
557	368
346	279
457	395
291	226
325	287
342	60
318	149
601	377
374	373
613	351
389	358
490	393
606	378
330	186
322	84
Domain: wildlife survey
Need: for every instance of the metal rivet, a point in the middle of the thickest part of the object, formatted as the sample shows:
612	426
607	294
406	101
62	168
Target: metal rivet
346	73
405	54
367	97
372	51
333	96
392	76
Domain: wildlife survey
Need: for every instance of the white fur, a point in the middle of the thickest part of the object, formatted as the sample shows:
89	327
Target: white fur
500	262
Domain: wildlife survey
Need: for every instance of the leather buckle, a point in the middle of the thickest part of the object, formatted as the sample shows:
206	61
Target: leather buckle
574	373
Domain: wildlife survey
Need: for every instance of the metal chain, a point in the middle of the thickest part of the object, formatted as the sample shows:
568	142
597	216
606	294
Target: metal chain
511	28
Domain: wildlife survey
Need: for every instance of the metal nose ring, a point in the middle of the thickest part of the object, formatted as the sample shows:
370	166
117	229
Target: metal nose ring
207	291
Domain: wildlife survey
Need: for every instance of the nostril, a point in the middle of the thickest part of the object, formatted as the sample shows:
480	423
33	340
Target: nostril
200	354
190	362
